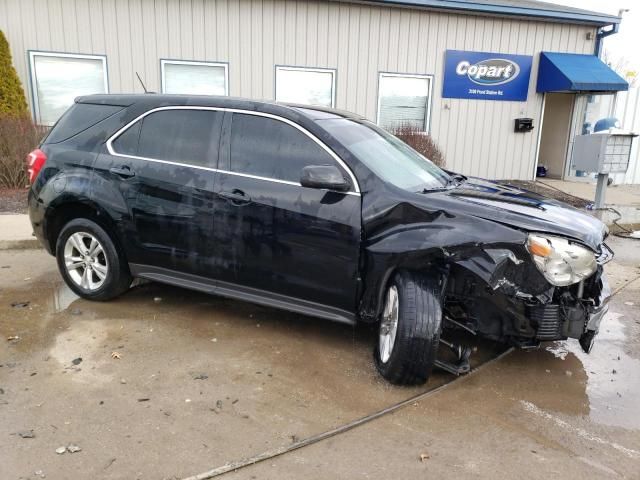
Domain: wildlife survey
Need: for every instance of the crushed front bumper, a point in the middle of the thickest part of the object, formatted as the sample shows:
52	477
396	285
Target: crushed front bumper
573	316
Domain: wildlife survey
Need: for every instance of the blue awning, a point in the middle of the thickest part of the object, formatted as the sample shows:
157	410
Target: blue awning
573	72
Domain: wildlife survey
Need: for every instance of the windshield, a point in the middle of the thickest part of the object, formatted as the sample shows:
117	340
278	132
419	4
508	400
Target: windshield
389	158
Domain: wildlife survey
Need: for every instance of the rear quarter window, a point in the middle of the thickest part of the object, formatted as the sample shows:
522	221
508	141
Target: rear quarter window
78	118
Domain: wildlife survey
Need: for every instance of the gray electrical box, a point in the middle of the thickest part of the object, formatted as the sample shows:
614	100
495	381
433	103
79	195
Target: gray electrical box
603	152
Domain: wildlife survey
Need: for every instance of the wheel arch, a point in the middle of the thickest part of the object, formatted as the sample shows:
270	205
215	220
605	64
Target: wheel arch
71	208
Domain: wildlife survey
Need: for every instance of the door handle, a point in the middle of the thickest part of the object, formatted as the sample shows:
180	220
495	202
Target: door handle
237	197
123	171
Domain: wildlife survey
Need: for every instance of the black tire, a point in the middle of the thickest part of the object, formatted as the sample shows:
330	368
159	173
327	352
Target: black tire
118	278
418	332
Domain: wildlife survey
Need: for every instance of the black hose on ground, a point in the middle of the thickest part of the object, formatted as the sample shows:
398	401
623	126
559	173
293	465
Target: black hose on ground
233	466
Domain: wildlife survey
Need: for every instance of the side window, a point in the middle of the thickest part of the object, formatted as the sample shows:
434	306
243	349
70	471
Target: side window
270	148
127	142
183	136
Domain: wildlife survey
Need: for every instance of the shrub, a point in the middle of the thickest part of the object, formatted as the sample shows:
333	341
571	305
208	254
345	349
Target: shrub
18	136
12	101
420	142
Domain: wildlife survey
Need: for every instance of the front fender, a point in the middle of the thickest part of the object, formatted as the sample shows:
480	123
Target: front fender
436	243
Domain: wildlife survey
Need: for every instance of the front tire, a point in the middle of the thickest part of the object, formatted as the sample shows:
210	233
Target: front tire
409	329
89	261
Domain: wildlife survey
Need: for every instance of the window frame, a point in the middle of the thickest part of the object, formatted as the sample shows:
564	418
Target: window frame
197	63
43	53
293	68
355	185
228	168
428	76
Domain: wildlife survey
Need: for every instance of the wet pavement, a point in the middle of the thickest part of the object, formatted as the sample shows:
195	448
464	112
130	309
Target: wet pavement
172	383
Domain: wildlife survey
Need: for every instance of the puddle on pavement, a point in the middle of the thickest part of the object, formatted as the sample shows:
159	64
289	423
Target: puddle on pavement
560	377
613	397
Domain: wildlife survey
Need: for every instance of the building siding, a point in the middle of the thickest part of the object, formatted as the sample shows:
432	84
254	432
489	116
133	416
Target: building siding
357	40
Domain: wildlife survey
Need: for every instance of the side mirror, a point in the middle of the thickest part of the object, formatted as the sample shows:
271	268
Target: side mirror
324	176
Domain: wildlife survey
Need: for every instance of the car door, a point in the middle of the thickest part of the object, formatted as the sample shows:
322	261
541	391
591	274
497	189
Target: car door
273	235
164	168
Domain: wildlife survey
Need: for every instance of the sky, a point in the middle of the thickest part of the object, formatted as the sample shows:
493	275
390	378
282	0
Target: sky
626	43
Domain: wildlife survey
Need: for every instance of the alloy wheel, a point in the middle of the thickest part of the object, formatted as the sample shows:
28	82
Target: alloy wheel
388	325
85	261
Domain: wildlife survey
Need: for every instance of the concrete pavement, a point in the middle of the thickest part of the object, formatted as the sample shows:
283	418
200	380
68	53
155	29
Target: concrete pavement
16	232
202	381
616	194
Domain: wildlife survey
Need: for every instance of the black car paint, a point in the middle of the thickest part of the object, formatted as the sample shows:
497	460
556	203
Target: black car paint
327	254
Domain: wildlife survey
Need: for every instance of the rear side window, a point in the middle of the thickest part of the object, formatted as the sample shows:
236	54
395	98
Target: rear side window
182	136
78	118
127	142
273	149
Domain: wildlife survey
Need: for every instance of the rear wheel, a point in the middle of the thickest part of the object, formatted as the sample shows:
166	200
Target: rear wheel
89	261
409	329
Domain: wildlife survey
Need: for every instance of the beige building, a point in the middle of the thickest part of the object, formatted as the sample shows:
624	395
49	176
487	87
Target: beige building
386	60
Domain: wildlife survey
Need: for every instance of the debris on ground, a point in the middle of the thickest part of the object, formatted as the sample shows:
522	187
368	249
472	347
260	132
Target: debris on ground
144	399
76	361
71	448
20	304
109	463
39	473
76	311
61	450
116	355
424	456
630	304
200	376
13	338
26	434
157	299
123	381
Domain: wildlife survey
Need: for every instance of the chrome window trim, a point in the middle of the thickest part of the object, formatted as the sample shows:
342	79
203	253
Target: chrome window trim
232	110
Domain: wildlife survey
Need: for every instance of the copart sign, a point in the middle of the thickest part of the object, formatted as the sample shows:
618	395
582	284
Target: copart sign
486	76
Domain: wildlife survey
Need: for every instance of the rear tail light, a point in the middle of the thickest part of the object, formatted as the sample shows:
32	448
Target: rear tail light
35	162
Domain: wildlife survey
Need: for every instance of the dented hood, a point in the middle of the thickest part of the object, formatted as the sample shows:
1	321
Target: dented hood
520	209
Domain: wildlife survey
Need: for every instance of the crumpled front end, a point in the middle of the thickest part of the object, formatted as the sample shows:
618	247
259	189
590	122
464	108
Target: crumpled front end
500	294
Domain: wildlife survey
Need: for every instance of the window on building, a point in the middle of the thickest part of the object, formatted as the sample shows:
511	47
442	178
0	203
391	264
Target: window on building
273	149
195	78
57	79
309	86
404	100
183	136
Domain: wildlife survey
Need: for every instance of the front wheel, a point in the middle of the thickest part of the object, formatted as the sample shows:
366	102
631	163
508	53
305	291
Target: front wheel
409	329
89	261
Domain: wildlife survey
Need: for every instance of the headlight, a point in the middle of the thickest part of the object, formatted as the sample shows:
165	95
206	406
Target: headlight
561	262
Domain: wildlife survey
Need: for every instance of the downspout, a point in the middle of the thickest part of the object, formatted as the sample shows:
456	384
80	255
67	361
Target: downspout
602	34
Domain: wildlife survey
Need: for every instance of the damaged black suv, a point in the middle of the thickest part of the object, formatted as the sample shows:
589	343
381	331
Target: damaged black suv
315	211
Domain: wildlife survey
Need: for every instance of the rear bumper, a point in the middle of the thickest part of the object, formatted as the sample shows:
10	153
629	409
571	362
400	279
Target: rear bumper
37	218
